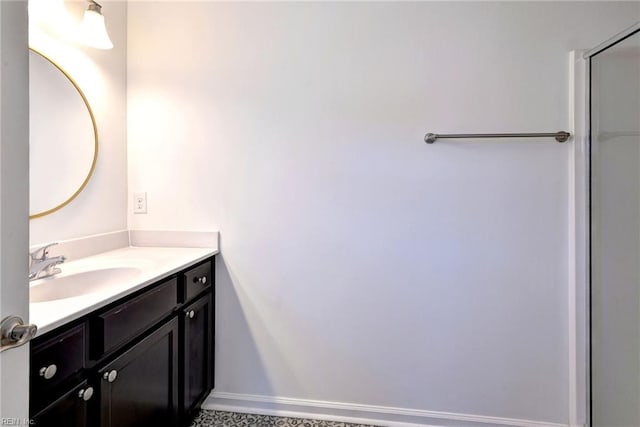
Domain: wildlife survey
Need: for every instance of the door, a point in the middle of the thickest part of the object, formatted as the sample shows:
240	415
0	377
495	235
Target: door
615	232
140	388
14	213
198	357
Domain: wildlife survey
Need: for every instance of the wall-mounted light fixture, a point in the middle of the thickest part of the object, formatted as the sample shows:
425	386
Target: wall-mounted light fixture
93	30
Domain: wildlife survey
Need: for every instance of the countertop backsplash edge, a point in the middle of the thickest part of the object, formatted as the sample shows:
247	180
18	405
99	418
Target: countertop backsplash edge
86	246
174	238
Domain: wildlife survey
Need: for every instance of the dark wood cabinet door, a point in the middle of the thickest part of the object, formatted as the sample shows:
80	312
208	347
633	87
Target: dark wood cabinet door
140	387
70	409
198	352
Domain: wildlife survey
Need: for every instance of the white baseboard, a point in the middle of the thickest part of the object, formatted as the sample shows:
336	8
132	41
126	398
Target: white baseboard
356	413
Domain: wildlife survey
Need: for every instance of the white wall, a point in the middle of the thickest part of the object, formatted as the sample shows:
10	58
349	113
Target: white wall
101	74
359	264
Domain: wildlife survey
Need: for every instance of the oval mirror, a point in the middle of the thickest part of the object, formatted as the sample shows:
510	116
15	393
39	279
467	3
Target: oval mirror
63	141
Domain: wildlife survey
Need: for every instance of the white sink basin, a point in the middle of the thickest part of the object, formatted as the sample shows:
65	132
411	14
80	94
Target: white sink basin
80	283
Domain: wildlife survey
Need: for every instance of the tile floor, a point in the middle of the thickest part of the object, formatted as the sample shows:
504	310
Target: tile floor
207	418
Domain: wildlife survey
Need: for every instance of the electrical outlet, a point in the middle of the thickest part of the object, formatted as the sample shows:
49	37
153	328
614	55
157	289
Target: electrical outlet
140	203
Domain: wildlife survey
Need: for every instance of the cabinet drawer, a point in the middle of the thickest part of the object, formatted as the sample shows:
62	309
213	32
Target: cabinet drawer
124	322
197	280
55	360
70	409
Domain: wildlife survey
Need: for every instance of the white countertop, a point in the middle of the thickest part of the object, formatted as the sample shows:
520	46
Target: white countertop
152	263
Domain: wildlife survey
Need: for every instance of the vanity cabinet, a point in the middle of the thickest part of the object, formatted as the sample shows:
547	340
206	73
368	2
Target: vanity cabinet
144	360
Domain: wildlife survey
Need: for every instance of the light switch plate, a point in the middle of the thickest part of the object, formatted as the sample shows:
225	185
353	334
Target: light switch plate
140	203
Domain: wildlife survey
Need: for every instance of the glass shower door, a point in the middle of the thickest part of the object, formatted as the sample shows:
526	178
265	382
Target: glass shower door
615	234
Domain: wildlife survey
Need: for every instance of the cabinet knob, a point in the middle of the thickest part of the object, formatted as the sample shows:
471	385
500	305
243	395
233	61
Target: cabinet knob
190	314
85	394
110	376
48	372
202	280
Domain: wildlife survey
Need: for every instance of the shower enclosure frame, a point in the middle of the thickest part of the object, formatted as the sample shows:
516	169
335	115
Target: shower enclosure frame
580	230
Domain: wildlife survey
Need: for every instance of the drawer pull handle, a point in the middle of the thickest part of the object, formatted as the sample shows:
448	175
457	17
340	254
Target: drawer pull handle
190	314
110	376
85	394
48	372
202	280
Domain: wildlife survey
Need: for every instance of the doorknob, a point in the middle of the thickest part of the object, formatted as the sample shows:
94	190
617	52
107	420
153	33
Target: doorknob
14	333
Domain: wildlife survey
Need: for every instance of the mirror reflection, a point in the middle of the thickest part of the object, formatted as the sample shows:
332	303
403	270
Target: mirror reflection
63	142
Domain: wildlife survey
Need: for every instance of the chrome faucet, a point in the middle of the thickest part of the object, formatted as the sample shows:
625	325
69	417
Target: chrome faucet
41	265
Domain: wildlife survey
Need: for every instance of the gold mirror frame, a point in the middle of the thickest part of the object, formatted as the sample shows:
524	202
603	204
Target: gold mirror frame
95	134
